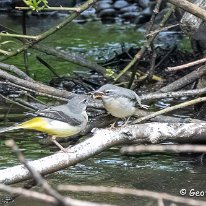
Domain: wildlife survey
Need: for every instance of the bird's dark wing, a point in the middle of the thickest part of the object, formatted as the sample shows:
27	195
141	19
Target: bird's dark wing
134	98
58	115
130	95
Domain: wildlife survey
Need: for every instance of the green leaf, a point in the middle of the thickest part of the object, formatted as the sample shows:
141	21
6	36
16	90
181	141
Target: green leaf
110	73
34	5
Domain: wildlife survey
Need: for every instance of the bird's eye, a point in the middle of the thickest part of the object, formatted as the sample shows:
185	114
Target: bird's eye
107	92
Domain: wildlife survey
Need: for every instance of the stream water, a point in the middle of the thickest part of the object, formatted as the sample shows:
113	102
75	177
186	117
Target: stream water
157	172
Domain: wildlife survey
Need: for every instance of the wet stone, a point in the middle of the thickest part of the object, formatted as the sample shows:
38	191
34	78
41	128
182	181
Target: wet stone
130	15
105	2
147	12
107	13
131	8
120	4
141	19
103	5
5	4
144	3
89	13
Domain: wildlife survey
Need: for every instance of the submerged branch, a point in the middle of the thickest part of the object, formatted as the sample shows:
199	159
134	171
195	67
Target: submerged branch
71	57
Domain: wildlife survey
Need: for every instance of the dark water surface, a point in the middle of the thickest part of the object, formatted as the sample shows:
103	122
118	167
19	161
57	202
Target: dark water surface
157	172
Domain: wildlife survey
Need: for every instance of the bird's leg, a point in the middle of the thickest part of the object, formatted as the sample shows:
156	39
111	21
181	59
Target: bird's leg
126	121
53	138
112	126
144	106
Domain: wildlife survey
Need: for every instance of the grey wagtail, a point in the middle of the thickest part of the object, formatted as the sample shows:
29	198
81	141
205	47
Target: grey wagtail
59	121
118	101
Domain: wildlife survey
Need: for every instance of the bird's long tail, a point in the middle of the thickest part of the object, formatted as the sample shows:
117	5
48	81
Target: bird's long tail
36	123
6	129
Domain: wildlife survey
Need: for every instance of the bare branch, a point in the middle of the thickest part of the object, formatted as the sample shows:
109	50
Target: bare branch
28	193
104	139
39	87
50	8
187	79
15	70
146	45
183	66
59	199
163	148
169	109
135	192
181	93
49	32
190	7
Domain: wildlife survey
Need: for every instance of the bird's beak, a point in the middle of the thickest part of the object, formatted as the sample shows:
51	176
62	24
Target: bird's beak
97	95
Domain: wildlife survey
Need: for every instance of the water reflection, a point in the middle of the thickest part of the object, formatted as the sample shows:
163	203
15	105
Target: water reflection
158	172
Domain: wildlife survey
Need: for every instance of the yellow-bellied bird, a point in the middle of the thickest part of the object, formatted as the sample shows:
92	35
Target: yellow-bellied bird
59	121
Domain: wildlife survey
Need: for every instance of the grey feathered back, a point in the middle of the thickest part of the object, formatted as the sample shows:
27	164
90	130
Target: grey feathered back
120	91
70	112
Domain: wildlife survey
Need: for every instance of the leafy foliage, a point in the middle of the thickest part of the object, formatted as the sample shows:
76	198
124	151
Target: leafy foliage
35	4
110	73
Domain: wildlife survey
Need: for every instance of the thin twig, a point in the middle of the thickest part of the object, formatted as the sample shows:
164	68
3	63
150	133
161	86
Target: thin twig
51	8
169	109
71	57
190	7
146	45
183	66
6	53
135	192
160	30
51	31
46	198
6	34
32	97
181	93
25	53
14	69
47	65
155	12
151	23
37	177
163	148
34	91
39	87
17	103
185	80
27	193
43	183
